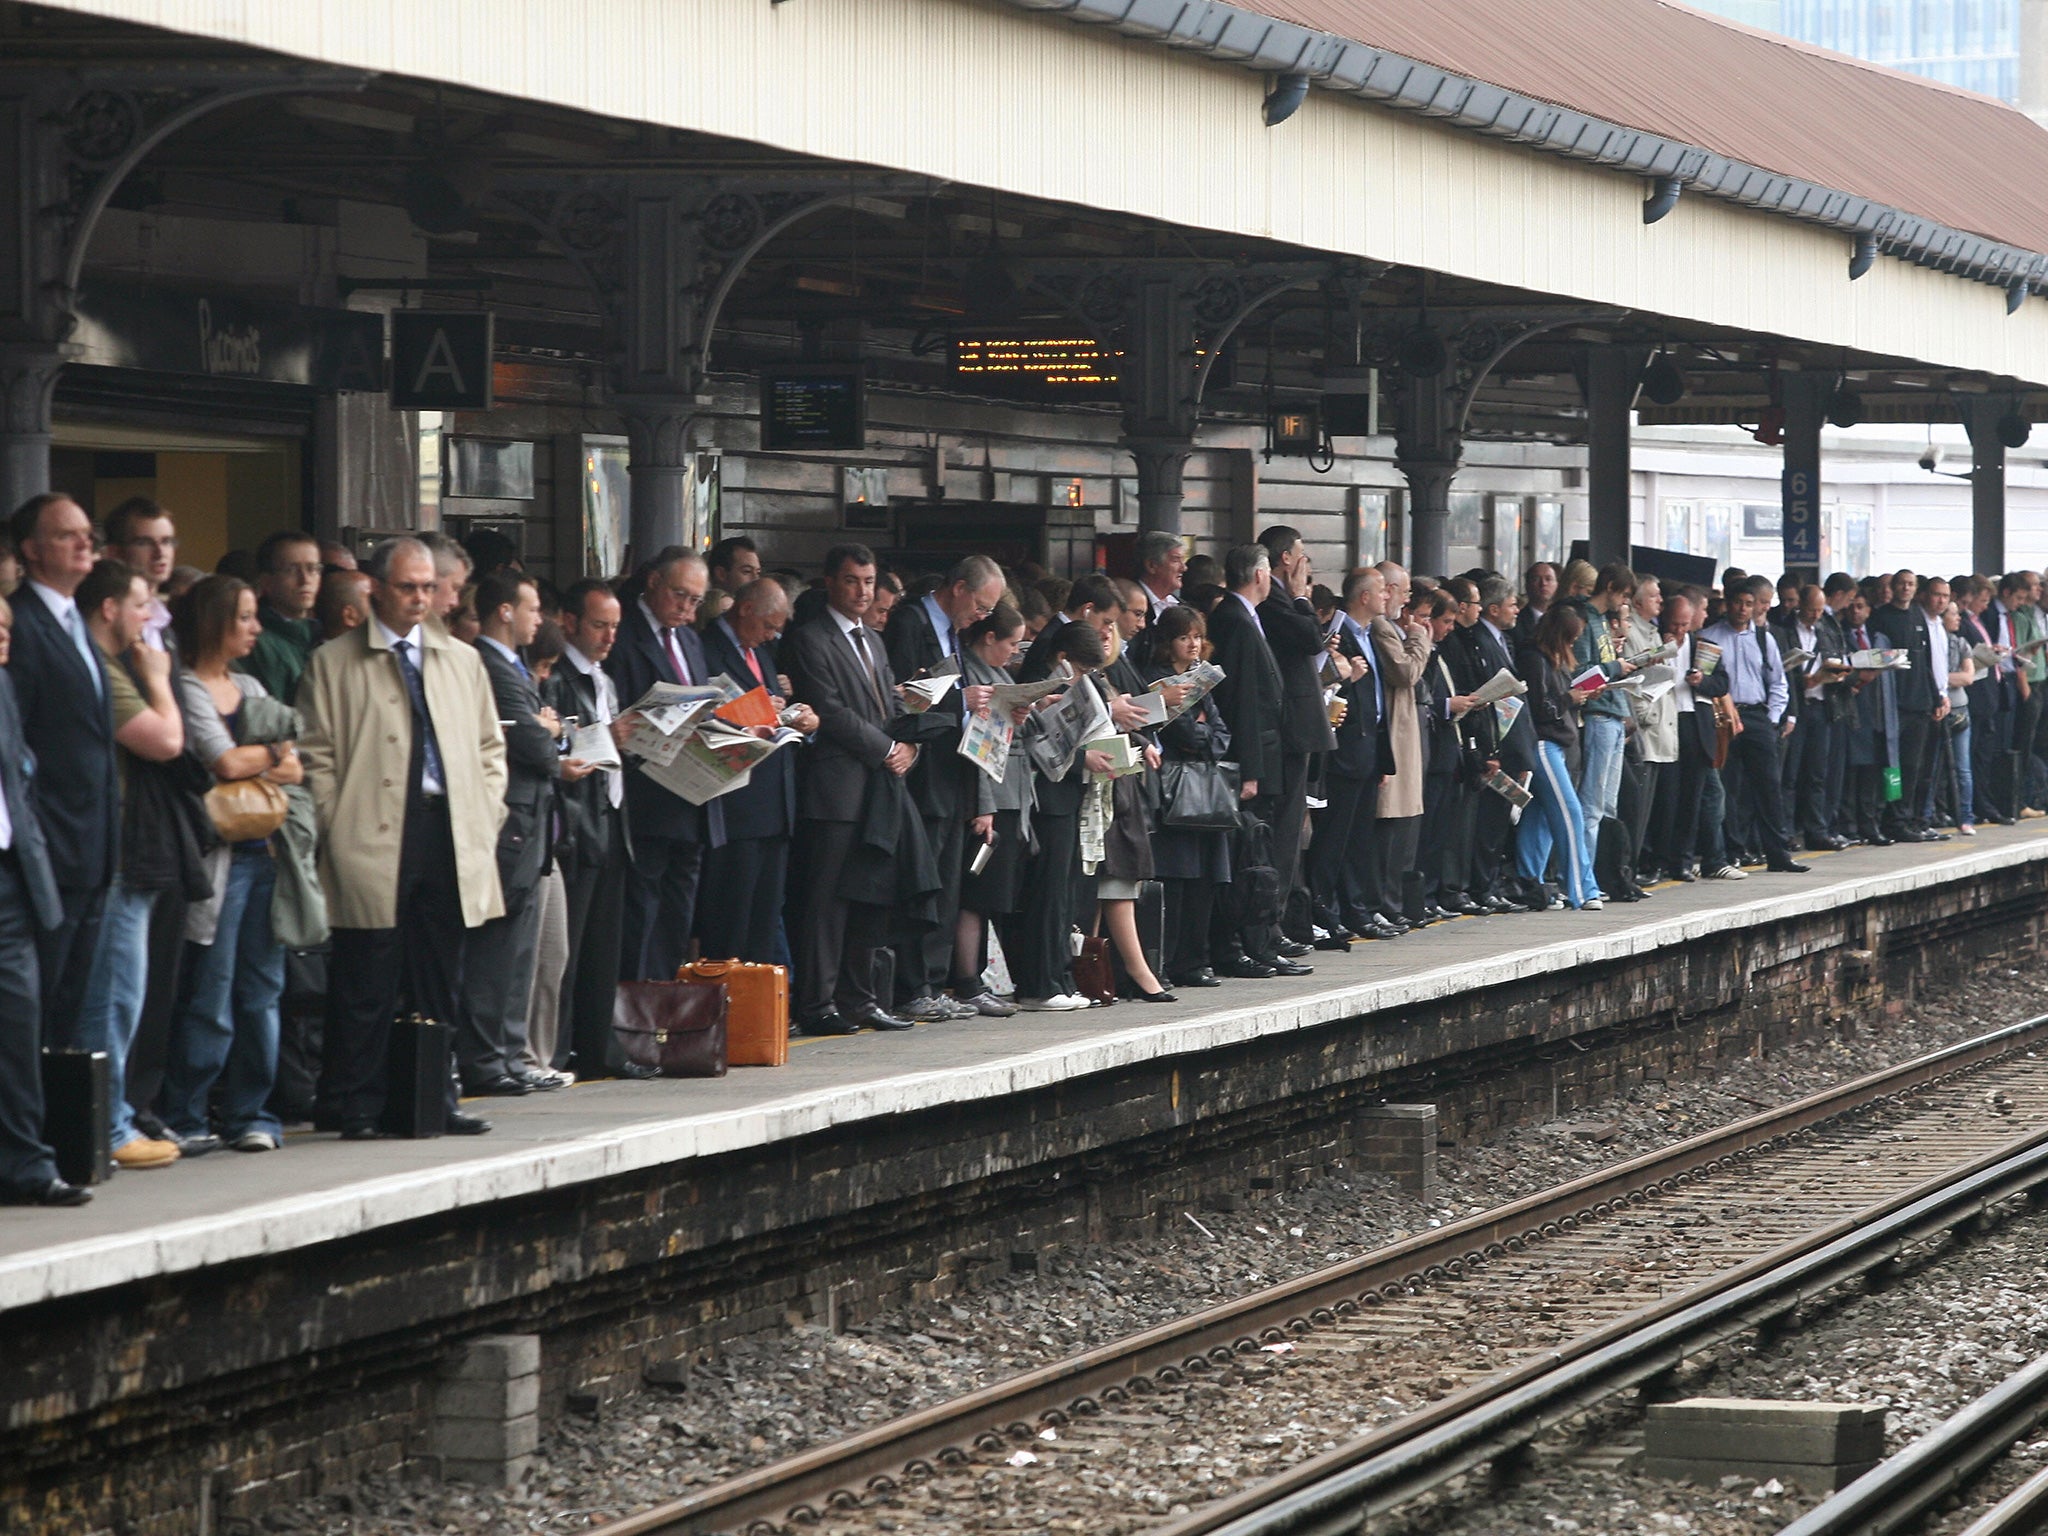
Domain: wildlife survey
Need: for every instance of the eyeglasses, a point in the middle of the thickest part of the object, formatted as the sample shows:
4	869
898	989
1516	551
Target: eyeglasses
413	588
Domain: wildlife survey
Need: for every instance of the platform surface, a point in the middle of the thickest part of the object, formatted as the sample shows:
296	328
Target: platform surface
232	1205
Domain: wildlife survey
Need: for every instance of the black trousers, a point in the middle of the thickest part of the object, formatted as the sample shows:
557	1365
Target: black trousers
1446	829
1916	762
1863	807
1400	837
1632	810
1753	781
1288	815
924	959
1660	784
25	1160
1189	904
1816	787
1329	851
64	959
836	939
1363	895
596	891
2026	727
1493	835
1036	936
1990	739
661	907
1675	822
376	973
744	884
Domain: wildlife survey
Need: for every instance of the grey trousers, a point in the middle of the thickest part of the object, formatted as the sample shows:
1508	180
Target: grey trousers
497	976
550	963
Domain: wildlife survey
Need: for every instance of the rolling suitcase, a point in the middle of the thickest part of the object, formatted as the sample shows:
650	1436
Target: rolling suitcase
77	1117
757	1024
416	1100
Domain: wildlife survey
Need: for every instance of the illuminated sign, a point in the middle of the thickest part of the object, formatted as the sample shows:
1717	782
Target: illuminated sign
1037	366
814	406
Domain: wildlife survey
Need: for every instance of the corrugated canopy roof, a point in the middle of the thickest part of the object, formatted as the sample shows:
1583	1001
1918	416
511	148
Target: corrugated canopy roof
1965	160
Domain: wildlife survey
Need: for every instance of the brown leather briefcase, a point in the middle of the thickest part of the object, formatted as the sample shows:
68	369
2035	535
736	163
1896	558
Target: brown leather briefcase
676	1027
757	1023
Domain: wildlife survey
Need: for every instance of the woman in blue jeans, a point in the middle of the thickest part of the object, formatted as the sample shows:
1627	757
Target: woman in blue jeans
223	1045
1555	820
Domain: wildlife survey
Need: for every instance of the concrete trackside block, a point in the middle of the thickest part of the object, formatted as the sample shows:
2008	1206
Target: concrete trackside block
1821	1446
1399	1140
486	1423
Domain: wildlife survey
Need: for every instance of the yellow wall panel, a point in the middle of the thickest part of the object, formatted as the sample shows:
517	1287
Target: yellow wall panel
978	93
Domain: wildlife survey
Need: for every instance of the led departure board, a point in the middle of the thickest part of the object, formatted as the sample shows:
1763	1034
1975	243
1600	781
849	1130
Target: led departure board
1036	367
814	405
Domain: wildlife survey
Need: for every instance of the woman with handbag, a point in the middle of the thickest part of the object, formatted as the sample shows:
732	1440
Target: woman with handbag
1555	817
1001	822
1126	862
225	1034
1198	796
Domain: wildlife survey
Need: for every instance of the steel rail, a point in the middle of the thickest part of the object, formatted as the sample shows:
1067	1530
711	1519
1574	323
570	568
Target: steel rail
1334	1492
841	1473
1895	1492
2020	1513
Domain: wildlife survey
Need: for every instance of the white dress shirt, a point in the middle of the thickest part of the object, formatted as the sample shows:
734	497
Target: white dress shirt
65	611
606	711
430	782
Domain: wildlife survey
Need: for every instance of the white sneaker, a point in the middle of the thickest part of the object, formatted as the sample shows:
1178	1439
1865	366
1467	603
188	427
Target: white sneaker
1592	904
1059	1002
1728	872
255	1141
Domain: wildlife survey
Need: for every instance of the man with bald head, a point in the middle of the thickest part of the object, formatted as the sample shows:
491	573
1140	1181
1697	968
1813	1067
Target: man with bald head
658	642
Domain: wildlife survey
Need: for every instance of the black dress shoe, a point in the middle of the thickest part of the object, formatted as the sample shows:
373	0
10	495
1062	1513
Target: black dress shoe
1689	873
1247	969
875	1018
56	1192
503	1086
828	1024
1389	920
361	1130
1499	904
1293	949
1379	930
540	1082
632	1071
1202	978
1440	914
465	1125
1282	966
1465	906
1340	946
1787	867
1877	840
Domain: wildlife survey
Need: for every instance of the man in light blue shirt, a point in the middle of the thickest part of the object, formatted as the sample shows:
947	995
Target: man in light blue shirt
1756	683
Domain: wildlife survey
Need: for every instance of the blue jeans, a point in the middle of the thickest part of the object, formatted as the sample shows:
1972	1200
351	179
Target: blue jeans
1599	773
227	1030
1957	769
1555	820
113	996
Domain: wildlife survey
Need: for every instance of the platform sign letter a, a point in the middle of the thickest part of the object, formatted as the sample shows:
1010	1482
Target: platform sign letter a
441	361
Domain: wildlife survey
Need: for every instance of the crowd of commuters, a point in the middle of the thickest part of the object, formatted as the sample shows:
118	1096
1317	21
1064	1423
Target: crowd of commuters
253	821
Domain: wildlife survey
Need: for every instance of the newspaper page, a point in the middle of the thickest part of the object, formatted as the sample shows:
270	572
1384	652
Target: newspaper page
1509	788
1508	711
1881	659
1200	681
1706	656
1078	717
921	693
593	744
715	761
1651	657
1502	685
985	741
1012	696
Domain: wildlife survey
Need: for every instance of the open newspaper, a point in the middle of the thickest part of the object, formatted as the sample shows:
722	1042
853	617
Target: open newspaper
1653	682
1647	658
1200	681
1986	655
1502	685
920	693
1063	727
715	760
1881	659
670	714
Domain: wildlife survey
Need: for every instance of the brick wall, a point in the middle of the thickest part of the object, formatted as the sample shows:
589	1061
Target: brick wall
199	1400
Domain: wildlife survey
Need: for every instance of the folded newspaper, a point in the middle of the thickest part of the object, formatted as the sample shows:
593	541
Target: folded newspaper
1502	685
921	693
1125	756
1986	655
1706	656
669	714
1199	681
1881	659
1510	789
716	760
1063	727
1663	652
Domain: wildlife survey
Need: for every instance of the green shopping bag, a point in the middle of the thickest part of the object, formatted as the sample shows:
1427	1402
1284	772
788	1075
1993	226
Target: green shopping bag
1894	785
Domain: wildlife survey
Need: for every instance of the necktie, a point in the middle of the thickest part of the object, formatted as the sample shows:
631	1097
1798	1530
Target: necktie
74	626
430	749
675	655
867	660
754	665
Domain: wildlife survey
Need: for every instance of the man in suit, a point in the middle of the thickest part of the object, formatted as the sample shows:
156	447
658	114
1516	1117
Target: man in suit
1809	806
29	904
839	668
1914	626
406	764
1484	650
750	872
1162	567
924	636
1344	854
658	644
1249	699
67	721
593	847
1299	647
1751	779
491	1036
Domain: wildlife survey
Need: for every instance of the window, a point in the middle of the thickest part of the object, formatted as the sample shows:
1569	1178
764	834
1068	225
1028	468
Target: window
1468	513
1507	534
1675	531
1368	528
1548	543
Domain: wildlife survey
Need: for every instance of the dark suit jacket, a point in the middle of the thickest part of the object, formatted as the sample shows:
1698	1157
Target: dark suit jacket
855	729
1296	639
1705	691
532	766
1475	661
1361	738
1925	684
591	829
637	663
17	776
766	807
69	726
942	781
1249	695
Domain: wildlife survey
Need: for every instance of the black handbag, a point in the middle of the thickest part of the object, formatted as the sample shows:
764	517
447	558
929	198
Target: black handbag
1198	796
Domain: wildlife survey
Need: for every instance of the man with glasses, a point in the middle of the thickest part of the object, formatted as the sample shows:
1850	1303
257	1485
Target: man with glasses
287	584
658	643
140	533
924	639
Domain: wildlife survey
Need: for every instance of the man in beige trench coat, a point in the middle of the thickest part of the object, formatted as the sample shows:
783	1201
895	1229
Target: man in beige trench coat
406	763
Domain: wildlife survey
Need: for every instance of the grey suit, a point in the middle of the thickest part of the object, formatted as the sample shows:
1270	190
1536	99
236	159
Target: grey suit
490	1037
29	906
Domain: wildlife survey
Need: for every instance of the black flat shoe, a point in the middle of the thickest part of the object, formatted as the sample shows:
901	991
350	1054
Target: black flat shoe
361	1130
1293	949
1157	997
1286	967
1340	946
1247	969
828	1024
1690	874
465	1125
56	1193
503	1086
1787	867
1202	978
874	1018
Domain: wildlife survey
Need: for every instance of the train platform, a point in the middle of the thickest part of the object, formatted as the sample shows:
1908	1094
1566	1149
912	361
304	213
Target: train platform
231	1207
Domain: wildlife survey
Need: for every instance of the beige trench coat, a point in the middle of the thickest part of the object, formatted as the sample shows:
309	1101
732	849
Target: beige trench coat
358	750
1401	657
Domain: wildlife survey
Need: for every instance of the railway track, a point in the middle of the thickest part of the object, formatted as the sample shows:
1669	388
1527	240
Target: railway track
1559	1282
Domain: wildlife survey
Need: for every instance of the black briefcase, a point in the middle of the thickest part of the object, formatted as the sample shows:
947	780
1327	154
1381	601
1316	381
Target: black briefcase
416	1100
77	1117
